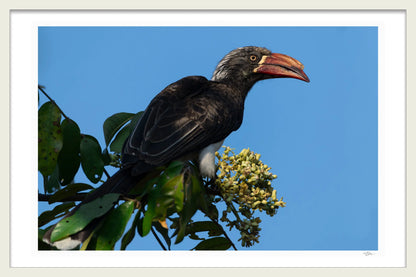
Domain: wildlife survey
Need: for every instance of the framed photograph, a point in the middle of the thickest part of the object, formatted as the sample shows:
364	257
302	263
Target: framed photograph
336	143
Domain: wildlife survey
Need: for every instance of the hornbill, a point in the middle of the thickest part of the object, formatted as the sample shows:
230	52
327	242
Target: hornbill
190	119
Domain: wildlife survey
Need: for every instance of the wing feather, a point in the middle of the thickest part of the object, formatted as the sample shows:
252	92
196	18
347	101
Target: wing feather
185	117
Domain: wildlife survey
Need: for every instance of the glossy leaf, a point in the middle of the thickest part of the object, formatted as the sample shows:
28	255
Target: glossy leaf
69	157
218	243
118	142
114	123
157	207
167	191
173	169
140	226
113	226
68	191
129	235
50	139
173	188
193	200
84	215
55	213
91	158
149	215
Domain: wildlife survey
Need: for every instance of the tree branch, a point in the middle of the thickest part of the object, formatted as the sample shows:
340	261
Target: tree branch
225	233
50	99
76	197
157	238
106	173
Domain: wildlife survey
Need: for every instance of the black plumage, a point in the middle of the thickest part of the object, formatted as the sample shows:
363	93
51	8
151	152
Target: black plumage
184	118
190	119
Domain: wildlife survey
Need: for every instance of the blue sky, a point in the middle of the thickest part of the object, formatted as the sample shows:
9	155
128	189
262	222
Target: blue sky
320	138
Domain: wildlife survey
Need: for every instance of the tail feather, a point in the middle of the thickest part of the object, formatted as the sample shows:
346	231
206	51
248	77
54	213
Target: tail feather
121	182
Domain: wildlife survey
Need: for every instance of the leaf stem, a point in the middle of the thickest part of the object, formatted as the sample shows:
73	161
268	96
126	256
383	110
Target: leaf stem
106	173
50	99
157	238
229	204
219	225
225	234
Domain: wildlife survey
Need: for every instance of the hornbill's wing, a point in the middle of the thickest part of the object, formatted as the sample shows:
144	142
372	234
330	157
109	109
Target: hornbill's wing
185	117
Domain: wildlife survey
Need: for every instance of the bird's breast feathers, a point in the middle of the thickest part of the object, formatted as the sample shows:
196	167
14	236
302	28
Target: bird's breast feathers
207	166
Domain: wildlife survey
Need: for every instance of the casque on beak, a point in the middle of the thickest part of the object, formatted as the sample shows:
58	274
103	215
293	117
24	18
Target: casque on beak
281	66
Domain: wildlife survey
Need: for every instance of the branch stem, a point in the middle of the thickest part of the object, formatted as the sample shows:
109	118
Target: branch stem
225	234
53	101
106	173
158	239
76	197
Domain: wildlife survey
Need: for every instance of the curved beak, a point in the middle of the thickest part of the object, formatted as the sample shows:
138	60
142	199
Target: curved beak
281	66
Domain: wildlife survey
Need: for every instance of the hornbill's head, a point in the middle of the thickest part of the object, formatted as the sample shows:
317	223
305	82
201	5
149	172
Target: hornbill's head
247	65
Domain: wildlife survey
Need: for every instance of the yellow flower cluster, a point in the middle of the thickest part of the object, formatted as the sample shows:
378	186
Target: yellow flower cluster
244	179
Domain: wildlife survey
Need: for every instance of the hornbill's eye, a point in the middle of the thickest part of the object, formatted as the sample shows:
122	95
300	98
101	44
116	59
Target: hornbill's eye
253	58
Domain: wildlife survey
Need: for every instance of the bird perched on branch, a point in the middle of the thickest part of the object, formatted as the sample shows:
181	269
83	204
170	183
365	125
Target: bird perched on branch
190	119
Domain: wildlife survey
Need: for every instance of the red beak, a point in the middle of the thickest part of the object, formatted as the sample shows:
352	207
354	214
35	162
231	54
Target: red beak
281	66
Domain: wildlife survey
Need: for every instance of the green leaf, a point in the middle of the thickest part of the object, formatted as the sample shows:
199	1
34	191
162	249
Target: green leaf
57	212
70	190
218	243
118	142
185	216
91	158
174	169
106	157
84	215
173	188
149	215
50	139
157	208
89	243
113	226
140	226
114	123
199	196
195	237
69	157
193	200
135	119
129	235
204	226
168	190
52	183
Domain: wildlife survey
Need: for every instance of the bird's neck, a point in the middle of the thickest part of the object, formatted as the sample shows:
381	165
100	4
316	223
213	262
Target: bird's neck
240	85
